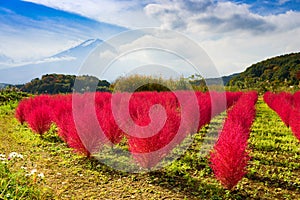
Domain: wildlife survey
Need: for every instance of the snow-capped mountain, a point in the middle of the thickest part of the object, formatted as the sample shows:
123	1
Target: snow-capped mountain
66	62
81	50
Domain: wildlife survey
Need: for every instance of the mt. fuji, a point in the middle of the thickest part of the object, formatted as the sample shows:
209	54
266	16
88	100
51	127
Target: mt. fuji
66	62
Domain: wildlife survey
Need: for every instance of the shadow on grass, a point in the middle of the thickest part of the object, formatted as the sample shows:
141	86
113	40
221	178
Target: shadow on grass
195	188
185	184
288	185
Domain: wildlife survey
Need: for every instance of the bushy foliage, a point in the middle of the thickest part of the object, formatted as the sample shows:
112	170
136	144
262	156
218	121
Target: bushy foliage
21	110
295	122
40	119
287	106
26	111
282	103
11	93
148	150
229	157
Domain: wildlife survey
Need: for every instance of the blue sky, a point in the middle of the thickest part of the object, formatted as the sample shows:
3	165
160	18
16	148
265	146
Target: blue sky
267	7
235	34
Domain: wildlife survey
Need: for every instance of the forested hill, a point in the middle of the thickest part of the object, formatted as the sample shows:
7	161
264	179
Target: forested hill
274	72
59	83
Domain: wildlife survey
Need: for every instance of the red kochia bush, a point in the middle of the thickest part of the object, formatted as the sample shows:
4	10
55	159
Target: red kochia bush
26	106
62	114
149	150
229	157
232	98
296	100
108	125
87	136
69	133
22	110
281	103
287	106
212	104
40	119
295	123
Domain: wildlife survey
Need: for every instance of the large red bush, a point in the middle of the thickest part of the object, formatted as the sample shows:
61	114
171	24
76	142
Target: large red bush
229	157
149	151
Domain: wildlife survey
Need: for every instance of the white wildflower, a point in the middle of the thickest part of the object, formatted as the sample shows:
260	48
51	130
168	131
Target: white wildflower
41	175
15	155
20	156
33	171
2	157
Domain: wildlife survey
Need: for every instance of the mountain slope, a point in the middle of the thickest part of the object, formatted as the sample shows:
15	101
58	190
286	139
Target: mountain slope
277	71
82	49
66	62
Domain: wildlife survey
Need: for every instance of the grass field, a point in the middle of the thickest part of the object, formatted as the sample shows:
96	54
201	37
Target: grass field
273	171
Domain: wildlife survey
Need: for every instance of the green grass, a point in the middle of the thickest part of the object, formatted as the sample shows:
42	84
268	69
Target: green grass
274	170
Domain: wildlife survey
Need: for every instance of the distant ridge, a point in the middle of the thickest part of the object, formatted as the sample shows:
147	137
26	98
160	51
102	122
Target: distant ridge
216	81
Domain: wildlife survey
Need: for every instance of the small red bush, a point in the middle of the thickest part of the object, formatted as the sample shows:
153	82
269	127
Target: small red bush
40	119
22	110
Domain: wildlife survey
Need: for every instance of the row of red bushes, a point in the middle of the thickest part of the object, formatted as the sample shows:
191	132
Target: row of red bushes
287	106
88	121
229	157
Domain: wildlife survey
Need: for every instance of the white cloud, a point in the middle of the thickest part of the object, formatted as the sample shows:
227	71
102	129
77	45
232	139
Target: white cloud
55	59
281	2
232	35
208	16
